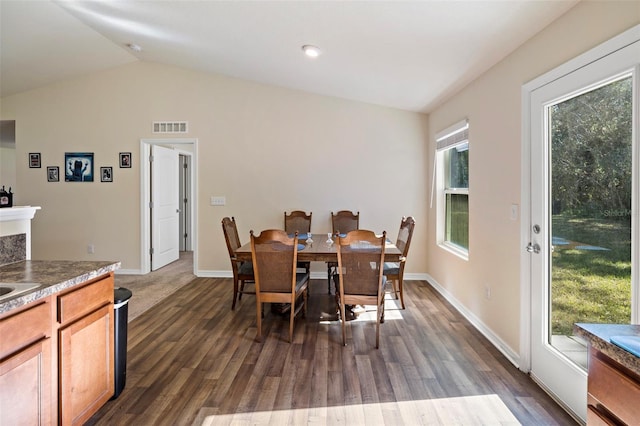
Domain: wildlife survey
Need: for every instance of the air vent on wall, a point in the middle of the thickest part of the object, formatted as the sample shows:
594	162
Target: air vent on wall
170	126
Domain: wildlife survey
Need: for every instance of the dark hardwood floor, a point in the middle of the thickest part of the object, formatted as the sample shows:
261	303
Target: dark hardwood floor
191	360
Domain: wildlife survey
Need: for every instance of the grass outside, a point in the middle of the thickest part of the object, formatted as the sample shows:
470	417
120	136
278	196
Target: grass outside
590	285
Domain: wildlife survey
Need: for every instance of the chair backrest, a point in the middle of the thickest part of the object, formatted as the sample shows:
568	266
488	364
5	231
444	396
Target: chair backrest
404	235
298	221
274	261
231	235
361	262
345	221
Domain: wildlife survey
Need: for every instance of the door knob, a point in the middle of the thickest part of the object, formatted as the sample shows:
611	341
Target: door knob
533	248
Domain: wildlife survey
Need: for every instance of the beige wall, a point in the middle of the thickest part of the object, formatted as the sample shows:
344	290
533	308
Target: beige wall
492	104
269	149
265	148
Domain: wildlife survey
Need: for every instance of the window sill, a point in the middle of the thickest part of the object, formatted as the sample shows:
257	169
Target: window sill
454	249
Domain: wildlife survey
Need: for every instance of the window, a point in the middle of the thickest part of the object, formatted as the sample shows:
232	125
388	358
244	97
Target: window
453	201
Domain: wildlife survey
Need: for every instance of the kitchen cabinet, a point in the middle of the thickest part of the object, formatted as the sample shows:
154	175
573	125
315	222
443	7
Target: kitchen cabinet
26	383
613	392
56	342
613	385
85	335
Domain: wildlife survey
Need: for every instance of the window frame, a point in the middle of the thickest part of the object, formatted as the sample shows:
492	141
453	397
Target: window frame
449	138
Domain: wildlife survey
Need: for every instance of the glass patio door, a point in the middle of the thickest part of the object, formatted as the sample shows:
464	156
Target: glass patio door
583	215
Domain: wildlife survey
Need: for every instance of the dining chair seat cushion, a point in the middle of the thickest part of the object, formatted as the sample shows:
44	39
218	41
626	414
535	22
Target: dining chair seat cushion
246	268
391	268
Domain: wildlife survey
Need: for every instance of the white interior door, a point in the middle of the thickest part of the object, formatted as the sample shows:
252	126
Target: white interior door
165	210
572	212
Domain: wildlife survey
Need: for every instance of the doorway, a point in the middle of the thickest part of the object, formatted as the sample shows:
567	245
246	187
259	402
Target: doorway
8	154
582	216
185	200
187	148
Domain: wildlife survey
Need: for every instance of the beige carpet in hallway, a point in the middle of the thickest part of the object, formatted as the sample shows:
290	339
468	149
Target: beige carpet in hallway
153	287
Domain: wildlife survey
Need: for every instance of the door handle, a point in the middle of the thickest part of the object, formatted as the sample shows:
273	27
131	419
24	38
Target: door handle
533	248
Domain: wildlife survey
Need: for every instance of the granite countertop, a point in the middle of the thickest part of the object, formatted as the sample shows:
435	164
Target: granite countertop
599	336
52	275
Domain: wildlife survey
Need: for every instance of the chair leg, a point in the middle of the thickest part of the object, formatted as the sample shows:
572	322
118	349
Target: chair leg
241	289
328	278
378	328
235	294
292	317
342	320
401	292
258	320
379	321
395	291
305	296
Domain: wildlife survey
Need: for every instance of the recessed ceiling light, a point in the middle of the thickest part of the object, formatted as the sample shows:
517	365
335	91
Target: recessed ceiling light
134	47
311	51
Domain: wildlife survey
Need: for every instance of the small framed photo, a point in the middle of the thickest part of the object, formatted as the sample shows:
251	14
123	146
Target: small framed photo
34	160
106	174
125	160
78	167
53	174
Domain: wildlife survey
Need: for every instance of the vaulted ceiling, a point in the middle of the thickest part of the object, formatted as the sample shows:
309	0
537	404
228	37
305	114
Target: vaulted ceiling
402	54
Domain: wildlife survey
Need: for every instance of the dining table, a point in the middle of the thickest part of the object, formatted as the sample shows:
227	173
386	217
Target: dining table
320	249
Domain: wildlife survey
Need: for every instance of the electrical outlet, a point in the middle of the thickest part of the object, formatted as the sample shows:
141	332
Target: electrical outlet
91	249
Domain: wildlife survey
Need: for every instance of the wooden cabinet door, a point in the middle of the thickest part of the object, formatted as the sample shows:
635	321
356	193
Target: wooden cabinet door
86	366
26	387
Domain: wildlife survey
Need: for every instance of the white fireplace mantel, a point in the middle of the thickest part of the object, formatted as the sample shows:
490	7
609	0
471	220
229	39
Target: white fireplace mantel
17	220
18	213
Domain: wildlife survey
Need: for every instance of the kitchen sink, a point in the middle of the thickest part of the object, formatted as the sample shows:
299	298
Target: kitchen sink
13	289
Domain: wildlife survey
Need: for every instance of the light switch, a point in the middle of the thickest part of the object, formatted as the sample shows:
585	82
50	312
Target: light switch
218	201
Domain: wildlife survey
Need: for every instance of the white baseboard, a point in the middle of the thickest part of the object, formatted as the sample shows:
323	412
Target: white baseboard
214	274
416	277
128	272
496	341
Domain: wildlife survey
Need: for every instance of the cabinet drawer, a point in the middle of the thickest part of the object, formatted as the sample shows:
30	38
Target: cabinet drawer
595	418
25	327
615	391
84	300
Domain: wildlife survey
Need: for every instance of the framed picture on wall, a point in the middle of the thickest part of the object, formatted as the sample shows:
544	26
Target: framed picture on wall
34	160
53	174
106	174
125	160
78	166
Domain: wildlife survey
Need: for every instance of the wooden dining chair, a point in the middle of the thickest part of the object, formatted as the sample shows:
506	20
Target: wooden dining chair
345	221
360	278
394	271
242	271
300	222
297	221
341	223
275	255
